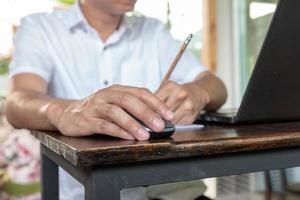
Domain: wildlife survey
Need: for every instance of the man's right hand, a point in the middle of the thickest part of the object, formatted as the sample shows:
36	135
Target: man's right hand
107	112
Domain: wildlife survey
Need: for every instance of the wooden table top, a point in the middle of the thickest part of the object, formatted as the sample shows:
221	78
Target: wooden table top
210	140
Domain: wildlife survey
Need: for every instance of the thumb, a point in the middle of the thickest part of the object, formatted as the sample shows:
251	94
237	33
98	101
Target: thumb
163	92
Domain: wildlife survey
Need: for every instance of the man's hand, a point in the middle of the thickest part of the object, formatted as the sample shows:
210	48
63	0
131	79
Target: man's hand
107	112
185	100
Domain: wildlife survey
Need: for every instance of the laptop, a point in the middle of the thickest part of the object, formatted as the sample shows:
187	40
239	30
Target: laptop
273	92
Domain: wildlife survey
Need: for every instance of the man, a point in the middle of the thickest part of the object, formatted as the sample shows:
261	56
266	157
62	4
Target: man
84	70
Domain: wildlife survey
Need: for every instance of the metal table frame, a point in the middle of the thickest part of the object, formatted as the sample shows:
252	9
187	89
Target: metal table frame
106	182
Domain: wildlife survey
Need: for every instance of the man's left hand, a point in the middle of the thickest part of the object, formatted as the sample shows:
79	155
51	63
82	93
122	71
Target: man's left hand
185	100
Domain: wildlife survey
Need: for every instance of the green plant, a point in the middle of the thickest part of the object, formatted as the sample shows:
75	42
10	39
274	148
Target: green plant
4	65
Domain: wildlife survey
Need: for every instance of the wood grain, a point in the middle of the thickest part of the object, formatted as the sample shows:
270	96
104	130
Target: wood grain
208	141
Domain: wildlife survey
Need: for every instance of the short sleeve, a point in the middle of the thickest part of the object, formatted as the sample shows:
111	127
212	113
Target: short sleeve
187	68
30	51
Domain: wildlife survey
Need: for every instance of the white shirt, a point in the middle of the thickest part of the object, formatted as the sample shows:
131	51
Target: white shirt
64	50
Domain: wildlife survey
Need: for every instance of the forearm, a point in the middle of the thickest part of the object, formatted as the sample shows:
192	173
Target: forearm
215	89
28	109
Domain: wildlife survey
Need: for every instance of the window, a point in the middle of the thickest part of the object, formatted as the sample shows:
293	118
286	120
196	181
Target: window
182	18
254	21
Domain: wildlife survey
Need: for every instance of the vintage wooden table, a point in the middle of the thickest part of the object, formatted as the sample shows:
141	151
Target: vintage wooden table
105	165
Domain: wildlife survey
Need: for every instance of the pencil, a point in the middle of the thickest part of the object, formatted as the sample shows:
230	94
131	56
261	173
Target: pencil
176	60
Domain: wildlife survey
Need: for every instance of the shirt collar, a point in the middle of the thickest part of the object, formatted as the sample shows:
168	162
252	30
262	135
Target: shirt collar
76	20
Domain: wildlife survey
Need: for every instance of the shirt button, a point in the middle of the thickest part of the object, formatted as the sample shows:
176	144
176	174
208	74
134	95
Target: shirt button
105	82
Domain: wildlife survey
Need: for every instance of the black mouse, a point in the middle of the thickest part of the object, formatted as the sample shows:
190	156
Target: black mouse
167	132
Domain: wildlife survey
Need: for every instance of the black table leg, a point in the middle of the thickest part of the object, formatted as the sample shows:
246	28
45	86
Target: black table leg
99	188
49	175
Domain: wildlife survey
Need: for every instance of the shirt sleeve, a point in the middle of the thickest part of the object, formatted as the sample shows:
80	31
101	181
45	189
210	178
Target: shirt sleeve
30	51
188	67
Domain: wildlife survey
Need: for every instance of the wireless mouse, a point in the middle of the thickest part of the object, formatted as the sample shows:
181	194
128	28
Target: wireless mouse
167	132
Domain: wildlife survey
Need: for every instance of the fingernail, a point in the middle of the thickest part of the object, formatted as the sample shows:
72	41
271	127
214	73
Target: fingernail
170	115
142	134
158	123
128	136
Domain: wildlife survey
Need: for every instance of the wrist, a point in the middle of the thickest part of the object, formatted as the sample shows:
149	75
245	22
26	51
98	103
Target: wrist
54	110
201	93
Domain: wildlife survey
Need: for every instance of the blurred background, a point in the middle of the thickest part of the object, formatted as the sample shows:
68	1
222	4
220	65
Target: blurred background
228	38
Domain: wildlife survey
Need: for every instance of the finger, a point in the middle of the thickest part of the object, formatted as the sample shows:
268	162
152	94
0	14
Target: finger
138	109
163	92
184	110
122	119
151	100
187	120
179	115
176	98
155	103
100	126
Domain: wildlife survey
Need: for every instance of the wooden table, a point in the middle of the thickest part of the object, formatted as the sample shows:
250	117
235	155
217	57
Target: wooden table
107	165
